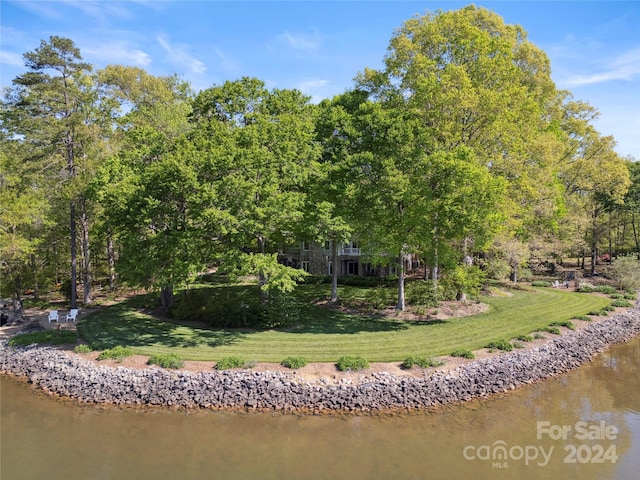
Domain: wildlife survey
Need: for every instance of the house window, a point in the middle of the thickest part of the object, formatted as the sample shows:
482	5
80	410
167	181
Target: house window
305	246
305	265
352	268
329	268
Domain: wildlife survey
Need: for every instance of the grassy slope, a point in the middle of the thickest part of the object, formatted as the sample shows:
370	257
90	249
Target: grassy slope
325	336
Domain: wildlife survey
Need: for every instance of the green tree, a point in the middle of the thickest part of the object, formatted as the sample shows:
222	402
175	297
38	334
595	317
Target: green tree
50	108
260	154
465	78
150	189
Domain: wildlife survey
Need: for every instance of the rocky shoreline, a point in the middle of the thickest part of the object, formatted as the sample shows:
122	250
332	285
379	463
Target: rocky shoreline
65	374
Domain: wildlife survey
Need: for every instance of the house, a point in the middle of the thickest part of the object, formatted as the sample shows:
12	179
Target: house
315	258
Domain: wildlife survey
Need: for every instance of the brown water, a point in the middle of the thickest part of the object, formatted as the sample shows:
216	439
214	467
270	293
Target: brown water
46	438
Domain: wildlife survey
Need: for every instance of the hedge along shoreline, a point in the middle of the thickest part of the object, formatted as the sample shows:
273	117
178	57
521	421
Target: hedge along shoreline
62	373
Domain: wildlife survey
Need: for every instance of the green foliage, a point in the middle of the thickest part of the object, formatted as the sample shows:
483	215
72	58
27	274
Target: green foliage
464	353
380	297
565	323
352	364
584	318
585	288
236	307
462	279
497	268
517	344
167	360
294	362
230	362
118	353
524	338
52	337
421	362
538	335
606	289
83	348
554	330
421	292
540	283
500	345
629	296
280	311
621	303
625	270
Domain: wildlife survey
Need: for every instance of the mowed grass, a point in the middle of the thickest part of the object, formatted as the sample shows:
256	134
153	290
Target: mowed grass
325	335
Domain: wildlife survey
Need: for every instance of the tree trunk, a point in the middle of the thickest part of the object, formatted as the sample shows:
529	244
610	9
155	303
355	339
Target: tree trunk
400	305
594	241
72	231
334	270
112	264
86	255
262	279
635	231
166	298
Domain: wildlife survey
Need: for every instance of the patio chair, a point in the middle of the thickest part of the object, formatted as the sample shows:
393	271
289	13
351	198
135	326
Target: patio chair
72	315
53	316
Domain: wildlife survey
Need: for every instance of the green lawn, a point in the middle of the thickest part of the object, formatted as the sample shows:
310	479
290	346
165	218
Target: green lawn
326	335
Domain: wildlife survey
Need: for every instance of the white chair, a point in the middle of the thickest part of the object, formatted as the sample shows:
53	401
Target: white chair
72	315
53	316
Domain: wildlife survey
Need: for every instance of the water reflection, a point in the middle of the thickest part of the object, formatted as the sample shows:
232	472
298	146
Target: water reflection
48	438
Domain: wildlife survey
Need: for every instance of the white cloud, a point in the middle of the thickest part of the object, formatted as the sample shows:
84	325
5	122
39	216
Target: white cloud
624	67
301	41
118	52
9	58
179	54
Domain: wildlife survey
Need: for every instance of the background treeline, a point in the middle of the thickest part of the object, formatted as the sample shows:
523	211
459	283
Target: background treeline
461	147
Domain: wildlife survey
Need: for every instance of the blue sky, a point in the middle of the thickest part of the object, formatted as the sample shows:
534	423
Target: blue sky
319	46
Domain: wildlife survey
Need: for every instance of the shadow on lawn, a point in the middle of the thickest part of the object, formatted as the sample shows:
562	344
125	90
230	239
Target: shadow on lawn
122	325
317	319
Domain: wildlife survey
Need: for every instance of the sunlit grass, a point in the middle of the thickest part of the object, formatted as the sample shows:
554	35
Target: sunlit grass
325	335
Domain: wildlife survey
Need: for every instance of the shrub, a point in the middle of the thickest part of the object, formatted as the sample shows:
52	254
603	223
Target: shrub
497	268
421	292
584	318
422	362
554	330
538	335
83	348
629	296
585	288
461	352
462	279
53	337
616	296
280	311
116	353
625	270
524	338
229	362
380	297
352	364
166	360
606	289
608	308
499	345
294	362
564	323
621	303
540	283
518	344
